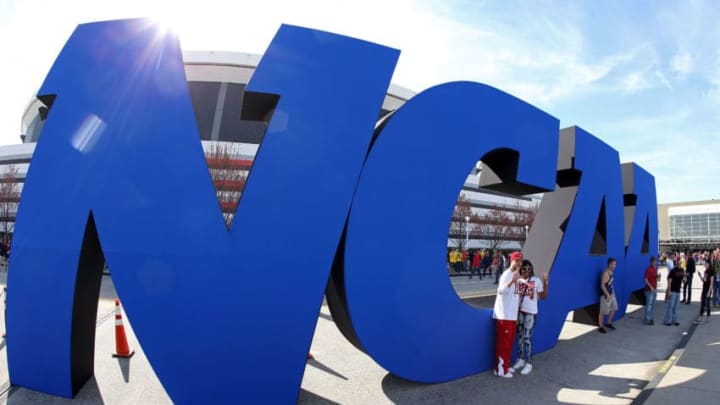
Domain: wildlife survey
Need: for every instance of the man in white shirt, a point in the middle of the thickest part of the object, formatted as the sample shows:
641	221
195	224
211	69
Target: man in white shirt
670	261
505	314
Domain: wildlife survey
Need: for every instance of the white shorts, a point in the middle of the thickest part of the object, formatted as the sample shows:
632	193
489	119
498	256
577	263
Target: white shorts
608	305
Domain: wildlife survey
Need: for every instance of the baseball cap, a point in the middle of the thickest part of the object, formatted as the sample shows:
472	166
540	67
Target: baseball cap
516	256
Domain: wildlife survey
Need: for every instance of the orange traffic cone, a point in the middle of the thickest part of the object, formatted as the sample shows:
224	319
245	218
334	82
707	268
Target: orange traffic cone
121	345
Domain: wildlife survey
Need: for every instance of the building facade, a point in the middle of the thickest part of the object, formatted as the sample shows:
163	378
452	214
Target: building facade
689	225
216	83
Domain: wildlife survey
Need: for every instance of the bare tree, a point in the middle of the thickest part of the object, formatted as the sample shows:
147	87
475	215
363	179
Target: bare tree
228	171
9	198
497	227
459	225
525	216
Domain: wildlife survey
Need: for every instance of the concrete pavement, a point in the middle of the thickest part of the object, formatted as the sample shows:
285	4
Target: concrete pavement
466	287
585	367
692	374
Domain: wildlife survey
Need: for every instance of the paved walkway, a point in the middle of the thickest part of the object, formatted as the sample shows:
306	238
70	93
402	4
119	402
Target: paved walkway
692	374
629	365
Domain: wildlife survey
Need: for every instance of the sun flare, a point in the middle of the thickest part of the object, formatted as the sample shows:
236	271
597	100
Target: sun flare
182	23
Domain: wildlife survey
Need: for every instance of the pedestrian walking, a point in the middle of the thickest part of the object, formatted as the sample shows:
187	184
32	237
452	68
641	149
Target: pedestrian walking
689	274
651	274
708	277
672	296
476	265
715	261
485	262
501	266
670	261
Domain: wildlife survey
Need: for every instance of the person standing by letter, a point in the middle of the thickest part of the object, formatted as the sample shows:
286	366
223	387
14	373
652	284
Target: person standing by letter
690	272
531	287
708	277
672	295
715	263
505	314
608	303
651	274
476	265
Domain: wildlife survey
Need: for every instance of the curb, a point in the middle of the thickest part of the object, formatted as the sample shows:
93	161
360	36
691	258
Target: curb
650	387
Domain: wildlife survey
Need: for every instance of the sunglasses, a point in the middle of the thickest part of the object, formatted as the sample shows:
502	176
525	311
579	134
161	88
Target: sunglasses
525	268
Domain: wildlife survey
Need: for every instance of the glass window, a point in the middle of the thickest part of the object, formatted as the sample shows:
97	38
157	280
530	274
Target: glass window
204	97
35	128
695	226
232	127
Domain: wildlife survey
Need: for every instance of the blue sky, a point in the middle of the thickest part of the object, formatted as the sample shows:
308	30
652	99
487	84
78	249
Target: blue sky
643	76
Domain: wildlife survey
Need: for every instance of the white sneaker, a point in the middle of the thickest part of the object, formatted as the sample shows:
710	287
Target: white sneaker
503	375
518	364
527	369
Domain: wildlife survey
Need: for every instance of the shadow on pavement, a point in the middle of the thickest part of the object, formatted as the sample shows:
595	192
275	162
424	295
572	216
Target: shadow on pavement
88	395
610	368
320	366
484	302
107	288
307	397
125	368
693	378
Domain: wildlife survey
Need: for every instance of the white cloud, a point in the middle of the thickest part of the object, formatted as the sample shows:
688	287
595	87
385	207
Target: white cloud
663	79
682	63
713	78
634	82
676	147
542	61
551	56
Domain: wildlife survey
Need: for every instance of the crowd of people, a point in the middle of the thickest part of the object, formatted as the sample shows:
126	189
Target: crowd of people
683	268
480	262
4	254
516	309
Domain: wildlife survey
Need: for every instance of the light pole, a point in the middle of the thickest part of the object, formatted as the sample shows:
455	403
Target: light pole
527	228
467	231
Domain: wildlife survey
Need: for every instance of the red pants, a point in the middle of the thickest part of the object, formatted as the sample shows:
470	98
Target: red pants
503	344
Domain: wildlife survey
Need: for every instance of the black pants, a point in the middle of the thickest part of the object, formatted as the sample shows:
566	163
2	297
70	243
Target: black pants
704	303
687	290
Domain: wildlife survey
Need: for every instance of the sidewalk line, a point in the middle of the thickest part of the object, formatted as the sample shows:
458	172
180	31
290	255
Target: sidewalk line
669	363
6	390
478	295
104	317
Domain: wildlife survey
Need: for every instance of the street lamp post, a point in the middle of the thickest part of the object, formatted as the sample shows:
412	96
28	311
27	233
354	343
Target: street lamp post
467	231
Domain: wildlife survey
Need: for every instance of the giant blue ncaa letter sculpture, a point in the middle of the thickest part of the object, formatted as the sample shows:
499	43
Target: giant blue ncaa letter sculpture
641	236
457	124
120	167
119	176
